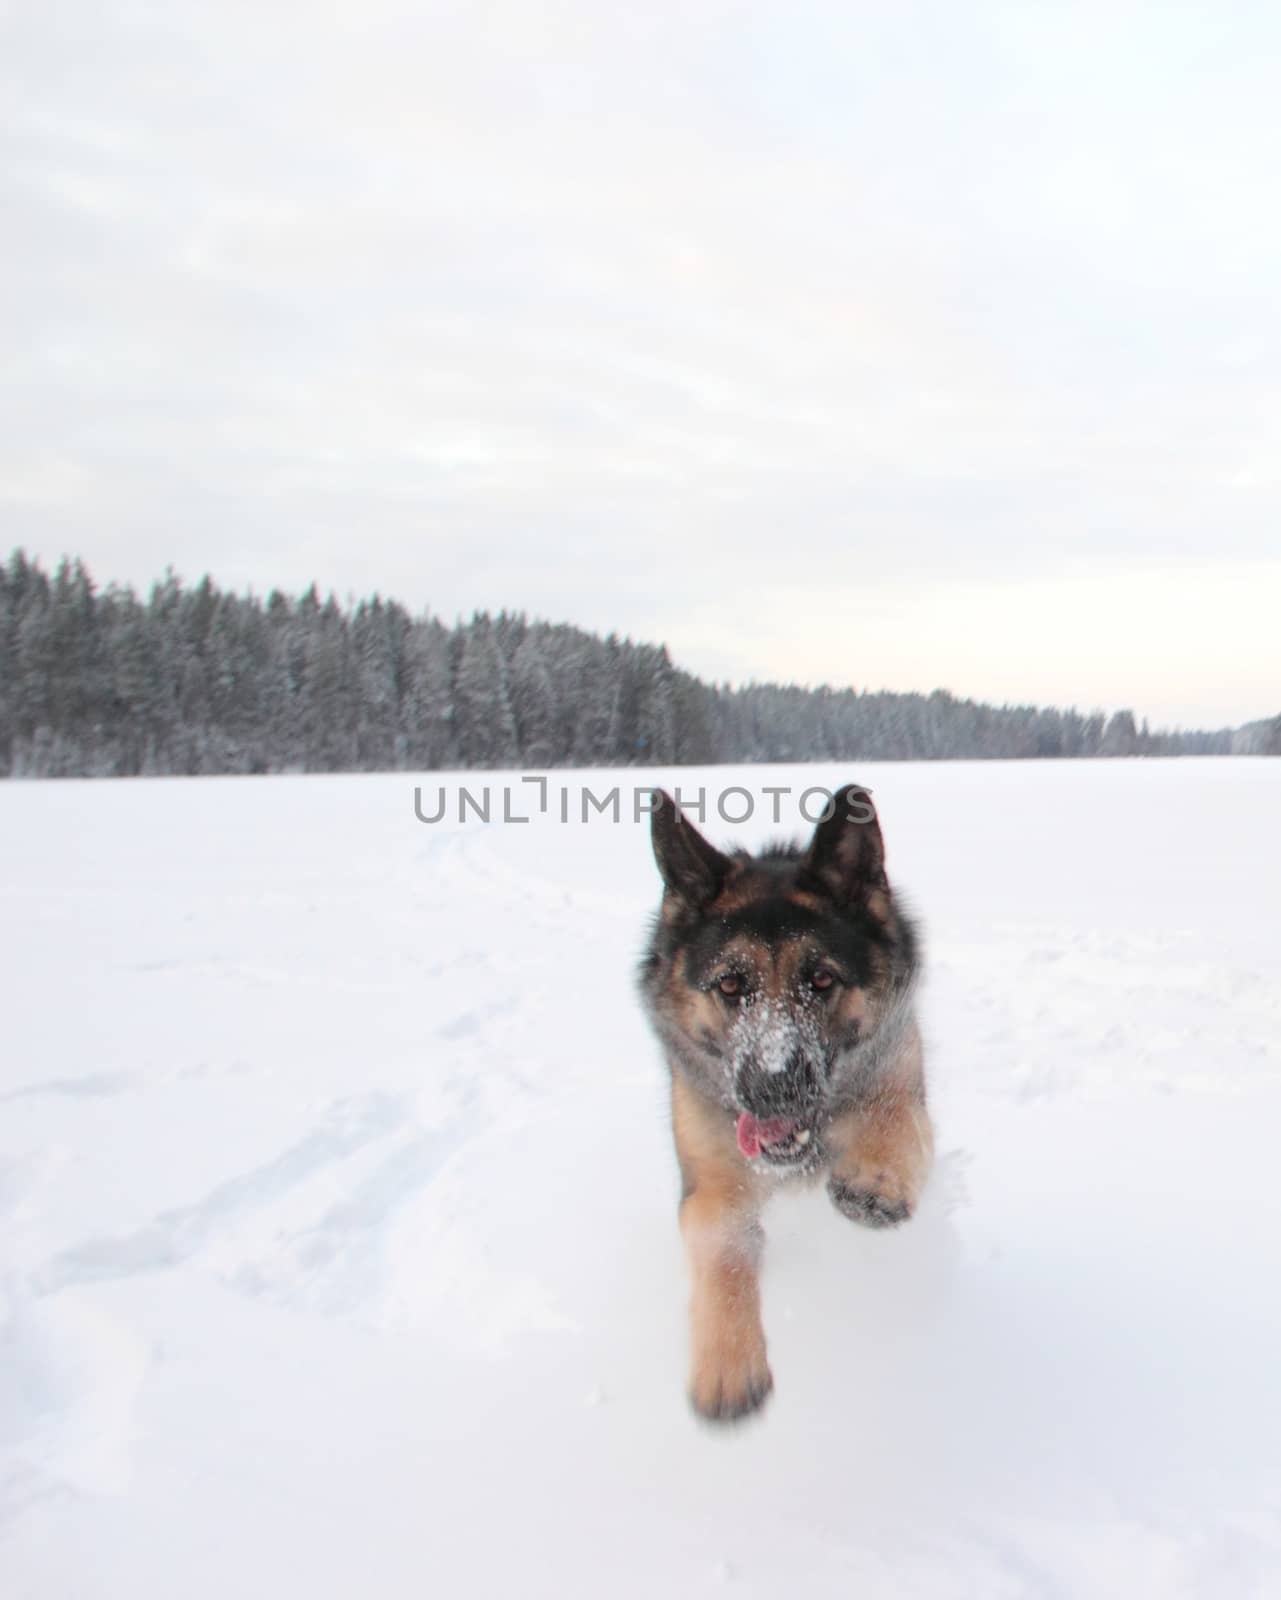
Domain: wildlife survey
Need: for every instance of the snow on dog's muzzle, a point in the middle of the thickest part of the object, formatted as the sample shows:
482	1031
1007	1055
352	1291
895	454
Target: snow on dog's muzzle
778	1072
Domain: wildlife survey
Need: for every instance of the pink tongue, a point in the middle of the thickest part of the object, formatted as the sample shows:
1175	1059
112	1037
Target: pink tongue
752	1134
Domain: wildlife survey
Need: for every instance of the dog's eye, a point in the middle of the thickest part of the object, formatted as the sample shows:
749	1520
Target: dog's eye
730	985
821	979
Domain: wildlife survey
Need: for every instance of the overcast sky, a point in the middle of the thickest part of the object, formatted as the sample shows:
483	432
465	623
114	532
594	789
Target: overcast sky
895	345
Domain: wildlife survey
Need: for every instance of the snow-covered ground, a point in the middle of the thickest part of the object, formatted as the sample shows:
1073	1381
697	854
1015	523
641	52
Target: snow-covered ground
339	1255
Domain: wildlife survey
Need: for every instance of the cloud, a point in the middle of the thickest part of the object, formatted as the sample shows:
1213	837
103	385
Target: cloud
668	323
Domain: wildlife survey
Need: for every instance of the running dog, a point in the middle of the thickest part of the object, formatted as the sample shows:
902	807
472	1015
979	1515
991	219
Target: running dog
781	988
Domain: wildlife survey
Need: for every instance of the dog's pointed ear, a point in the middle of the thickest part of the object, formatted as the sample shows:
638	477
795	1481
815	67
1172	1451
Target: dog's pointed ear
692	869
847	853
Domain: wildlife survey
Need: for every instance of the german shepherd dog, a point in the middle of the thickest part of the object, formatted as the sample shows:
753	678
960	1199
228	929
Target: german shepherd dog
781	987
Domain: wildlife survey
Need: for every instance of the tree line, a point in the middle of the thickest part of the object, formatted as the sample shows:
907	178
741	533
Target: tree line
194	679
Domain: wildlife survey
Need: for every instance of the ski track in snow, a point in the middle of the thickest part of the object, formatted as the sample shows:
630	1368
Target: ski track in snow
338	1208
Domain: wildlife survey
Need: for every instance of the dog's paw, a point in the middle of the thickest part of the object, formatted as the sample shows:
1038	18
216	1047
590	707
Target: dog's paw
874	1208
727	1389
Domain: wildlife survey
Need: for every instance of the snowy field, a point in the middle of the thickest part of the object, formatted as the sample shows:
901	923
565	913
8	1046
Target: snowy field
338	1247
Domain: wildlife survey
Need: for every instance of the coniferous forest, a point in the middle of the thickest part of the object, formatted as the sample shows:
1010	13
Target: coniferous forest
192	679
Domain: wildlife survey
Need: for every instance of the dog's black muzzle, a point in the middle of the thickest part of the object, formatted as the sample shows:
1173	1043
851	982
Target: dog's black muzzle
794	1092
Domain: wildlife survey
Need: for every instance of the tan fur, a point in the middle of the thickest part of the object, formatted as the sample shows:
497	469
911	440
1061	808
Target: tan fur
880	1158
700	1015
696	1012
877	902
776	973
883	1149
738	890
729	1372
741	888
852	1006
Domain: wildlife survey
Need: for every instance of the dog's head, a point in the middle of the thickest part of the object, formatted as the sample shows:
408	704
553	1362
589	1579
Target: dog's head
766	973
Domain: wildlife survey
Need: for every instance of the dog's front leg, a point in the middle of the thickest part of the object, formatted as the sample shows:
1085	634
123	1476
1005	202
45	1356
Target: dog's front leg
881	1151
729	1372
